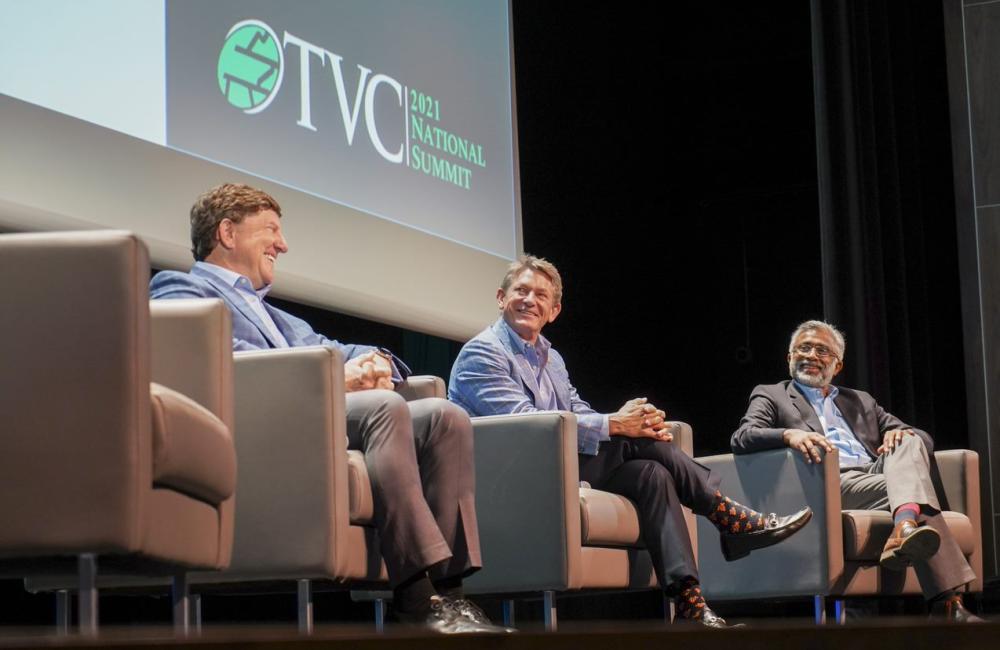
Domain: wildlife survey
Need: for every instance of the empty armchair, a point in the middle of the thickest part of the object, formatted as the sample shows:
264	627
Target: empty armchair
98	465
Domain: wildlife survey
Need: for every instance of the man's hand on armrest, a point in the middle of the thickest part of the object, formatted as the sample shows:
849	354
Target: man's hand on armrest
639	419
807	442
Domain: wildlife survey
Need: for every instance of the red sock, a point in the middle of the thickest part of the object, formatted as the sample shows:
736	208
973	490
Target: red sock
906	511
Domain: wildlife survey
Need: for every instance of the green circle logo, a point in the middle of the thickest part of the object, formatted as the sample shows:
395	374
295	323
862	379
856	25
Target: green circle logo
250	66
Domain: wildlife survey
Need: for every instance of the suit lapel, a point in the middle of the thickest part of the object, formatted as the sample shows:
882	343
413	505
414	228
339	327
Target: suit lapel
520	363
805	409
237	302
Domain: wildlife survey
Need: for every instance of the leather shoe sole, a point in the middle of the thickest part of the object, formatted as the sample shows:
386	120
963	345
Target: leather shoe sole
735	546
917	546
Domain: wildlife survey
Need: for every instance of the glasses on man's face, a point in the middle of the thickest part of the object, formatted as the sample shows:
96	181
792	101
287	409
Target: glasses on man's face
821	351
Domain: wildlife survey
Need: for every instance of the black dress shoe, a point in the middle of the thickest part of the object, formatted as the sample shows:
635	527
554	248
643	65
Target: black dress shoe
709	619
951	610
472	612
776	529
454	616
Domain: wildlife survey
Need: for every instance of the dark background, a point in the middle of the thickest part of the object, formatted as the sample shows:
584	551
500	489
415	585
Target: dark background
669	169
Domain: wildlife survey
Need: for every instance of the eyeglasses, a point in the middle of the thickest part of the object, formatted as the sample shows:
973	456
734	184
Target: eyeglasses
821	351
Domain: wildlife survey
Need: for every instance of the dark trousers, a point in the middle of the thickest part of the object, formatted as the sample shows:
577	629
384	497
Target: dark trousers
659	478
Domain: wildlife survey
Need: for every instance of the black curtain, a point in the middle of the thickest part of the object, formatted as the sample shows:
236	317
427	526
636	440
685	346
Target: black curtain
887	221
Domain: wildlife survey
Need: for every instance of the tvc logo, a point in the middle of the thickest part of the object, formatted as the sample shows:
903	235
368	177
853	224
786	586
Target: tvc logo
251	69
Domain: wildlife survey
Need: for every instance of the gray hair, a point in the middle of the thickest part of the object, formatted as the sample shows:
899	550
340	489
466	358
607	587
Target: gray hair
539	264
809	325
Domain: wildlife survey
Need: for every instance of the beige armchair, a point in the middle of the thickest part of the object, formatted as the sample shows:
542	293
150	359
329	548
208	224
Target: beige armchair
540	530
304	518
98	465
837	553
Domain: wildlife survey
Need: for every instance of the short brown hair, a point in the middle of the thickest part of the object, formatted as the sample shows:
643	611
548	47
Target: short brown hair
539	265
233	201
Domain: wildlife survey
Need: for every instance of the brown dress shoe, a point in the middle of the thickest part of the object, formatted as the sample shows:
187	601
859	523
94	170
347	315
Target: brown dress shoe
951	610
909	542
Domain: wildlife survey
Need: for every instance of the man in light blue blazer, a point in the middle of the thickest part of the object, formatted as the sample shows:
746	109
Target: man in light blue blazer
418	454
511	368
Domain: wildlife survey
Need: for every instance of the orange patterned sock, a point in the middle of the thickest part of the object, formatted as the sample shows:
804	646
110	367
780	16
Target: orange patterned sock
733	517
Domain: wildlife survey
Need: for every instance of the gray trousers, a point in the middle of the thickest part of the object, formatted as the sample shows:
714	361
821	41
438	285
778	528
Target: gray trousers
904	476
419	460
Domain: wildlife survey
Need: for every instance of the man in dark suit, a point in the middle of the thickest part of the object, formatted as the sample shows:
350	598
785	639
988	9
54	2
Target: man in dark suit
418	454
885	464
510	367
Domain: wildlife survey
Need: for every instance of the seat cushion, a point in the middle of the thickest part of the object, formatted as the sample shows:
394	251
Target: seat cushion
362	507
865	533
193	450
607	519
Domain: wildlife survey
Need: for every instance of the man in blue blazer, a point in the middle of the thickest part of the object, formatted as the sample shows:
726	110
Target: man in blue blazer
418	454
511	368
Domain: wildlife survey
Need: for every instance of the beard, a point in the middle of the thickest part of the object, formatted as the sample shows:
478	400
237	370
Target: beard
798	373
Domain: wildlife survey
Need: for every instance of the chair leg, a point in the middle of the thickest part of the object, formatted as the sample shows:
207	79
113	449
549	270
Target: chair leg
305	602
840	611
508	612
196	612
549	610
379	615
87	599
180	598
669	611
819	607
62	612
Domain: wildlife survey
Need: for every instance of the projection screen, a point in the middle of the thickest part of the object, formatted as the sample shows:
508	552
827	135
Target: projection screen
385	128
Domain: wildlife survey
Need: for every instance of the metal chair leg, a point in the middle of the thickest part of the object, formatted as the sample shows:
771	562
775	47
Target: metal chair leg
819	607
508	612
196	612
380	615
87	599
549	610
305	602
181	600
62	612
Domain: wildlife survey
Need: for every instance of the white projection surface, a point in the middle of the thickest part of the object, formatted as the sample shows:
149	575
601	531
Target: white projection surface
385	128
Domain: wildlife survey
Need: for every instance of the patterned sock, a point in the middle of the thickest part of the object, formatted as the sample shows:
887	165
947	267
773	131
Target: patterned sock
733	517
690	602
906	511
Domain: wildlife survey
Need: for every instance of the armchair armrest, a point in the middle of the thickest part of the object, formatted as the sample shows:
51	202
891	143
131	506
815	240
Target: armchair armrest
421	387
959	471
192	351
291	447
777	481
527	503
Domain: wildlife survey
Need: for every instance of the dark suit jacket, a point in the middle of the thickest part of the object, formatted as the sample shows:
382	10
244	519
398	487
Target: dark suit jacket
776	407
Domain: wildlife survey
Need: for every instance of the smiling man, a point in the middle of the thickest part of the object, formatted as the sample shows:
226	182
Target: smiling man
511	368
884	463
418	454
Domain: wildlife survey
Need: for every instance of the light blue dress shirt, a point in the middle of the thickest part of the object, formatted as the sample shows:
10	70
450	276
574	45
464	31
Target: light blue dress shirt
253	297
537	356
836	429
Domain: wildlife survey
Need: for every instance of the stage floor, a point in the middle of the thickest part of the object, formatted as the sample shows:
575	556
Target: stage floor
883	634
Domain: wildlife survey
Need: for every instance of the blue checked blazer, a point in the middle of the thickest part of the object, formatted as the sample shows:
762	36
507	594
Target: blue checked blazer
490	377
249	333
